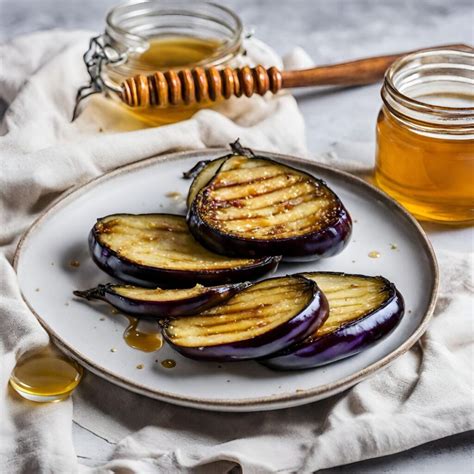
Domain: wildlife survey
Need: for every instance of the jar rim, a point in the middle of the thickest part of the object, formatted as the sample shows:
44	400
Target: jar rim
111	23
413	103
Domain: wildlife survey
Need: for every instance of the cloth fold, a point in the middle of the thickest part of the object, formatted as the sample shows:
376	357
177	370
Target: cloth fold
426	394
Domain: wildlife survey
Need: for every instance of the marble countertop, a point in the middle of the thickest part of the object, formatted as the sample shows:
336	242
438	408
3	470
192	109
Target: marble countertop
341	121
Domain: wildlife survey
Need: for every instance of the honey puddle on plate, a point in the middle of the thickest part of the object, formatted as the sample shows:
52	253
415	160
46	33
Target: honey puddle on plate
168	363
143	335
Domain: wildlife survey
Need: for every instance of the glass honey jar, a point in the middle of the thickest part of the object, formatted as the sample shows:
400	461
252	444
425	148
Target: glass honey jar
145	36
425	135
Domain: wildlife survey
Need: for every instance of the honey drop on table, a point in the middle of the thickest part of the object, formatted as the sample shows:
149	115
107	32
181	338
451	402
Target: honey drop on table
173	52
141	338
45	376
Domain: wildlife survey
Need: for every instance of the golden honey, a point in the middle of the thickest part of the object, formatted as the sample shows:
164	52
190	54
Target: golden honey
142	339
425	137
168	363
174	53
436	181
164	36
45	376
171	52
374	254
142	335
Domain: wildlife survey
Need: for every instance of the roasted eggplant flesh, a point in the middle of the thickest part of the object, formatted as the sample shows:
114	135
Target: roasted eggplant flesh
253	323
251	313
256	206
159	241
266	200
157	249
160	303
159	295
350	297
362	310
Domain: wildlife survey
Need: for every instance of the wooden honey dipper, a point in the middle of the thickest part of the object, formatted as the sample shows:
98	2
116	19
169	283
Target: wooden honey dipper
190	86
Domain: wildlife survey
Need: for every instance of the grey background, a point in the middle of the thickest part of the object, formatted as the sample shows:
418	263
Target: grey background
341	121
329	30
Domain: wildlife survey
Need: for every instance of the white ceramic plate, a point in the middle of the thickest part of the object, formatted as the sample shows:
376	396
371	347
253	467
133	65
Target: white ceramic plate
88	332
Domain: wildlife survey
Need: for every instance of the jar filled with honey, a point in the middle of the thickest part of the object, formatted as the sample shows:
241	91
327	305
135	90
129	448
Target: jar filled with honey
146	36
425	135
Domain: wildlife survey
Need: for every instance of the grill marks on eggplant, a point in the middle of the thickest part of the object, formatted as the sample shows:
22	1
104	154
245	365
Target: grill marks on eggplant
161	241
262	199
249	314
362	311
350	298
245	206
301	192
255	207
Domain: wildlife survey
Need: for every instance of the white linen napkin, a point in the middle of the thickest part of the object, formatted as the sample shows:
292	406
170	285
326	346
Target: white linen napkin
426	394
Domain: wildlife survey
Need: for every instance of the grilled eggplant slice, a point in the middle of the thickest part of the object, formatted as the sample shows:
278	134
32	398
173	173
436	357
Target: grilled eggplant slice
253	207
153	250
145	303
260	320
362	310
203	171
207	170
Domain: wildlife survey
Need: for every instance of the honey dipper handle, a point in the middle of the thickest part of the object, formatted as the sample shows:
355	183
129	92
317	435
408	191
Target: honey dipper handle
353	73
191	86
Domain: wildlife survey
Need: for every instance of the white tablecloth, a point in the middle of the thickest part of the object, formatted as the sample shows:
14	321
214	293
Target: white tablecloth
425	395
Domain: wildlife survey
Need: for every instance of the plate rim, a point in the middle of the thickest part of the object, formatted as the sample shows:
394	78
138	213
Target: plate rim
265	402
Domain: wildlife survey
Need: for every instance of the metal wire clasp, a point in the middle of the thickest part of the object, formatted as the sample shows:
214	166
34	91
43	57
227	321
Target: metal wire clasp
100	52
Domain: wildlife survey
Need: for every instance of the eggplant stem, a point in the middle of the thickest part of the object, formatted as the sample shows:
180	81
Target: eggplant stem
238	149
96	293
164	323
195	170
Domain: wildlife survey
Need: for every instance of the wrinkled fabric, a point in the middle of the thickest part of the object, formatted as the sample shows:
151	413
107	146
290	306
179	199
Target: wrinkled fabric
426	394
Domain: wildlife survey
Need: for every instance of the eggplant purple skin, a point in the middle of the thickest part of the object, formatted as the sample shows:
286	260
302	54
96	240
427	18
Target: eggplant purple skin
289	333
321	244
347	341
149	277
160	309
